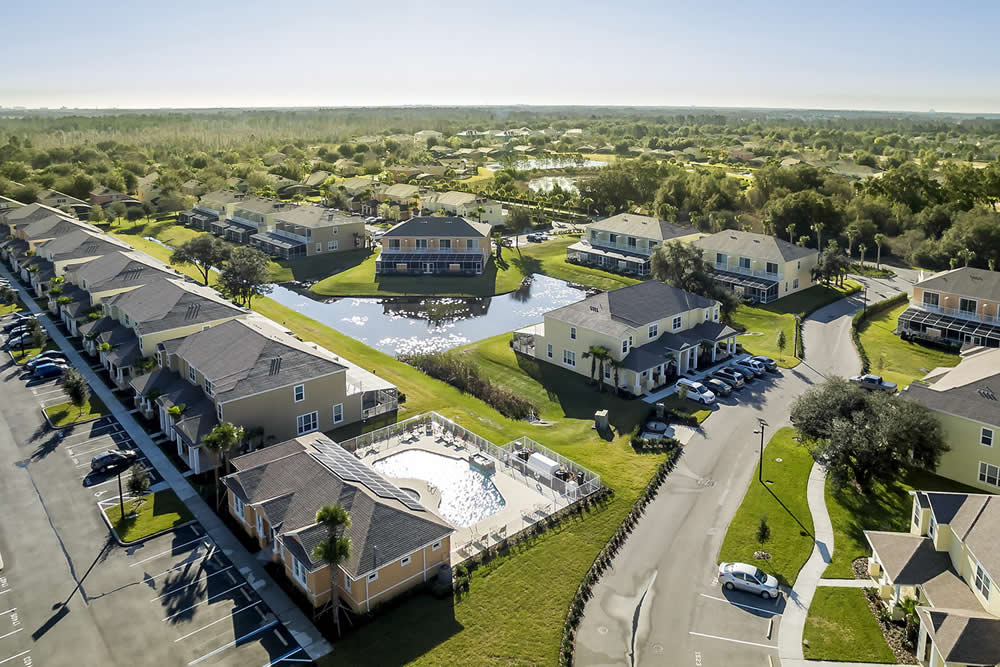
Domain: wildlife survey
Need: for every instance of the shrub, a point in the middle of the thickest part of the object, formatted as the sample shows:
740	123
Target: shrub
861	316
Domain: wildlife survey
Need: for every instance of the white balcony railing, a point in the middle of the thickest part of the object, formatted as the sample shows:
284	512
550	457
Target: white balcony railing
607	245
955	312
437	251
756	273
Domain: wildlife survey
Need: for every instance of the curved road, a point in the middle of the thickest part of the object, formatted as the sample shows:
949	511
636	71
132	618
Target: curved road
660	605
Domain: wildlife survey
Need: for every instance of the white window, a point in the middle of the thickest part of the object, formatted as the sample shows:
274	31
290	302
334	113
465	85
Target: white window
548	350
373	576
300	393
404	561
299	571
625	346
192	374
332	245
744	262
795	284
307	423
237	506
932	526
916	513
421	243
218	411
347	582
572	333
319	247
721	259
338	413
435	546
393	244
982	581
986	437
989	474
470	244
208	387
677	323
569	357
653	330
444	243
931	299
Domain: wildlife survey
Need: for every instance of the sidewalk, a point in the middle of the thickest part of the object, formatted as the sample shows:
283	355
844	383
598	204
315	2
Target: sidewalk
699	374
301	628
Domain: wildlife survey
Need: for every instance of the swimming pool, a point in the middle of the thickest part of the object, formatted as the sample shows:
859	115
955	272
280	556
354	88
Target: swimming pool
467	496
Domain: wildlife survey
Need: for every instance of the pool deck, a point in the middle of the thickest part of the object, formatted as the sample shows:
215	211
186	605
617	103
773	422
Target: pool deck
526	501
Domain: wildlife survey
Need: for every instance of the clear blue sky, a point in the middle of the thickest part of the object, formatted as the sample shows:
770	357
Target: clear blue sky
872	54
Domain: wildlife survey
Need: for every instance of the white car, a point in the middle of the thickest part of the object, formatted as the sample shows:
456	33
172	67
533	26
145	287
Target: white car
748	578
696	391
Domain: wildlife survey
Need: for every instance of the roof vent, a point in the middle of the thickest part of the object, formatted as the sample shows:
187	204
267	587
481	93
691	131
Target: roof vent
756	240
595	309
192	311
988	394
275	366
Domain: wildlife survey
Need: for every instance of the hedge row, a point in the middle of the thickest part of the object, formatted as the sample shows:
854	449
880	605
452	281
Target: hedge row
861	316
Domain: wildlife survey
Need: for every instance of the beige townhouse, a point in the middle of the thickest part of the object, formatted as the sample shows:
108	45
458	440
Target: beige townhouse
464	205
211	207
305	231
955	308
429	245
758	267
623	243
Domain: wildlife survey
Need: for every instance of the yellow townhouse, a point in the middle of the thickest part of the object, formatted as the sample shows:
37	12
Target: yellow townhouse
955	308
434	245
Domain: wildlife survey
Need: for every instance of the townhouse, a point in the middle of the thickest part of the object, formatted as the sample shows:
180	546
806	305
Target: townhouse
212	207
650	332
396	542
965	402
103	195
63	201
434	245
955	308
623	243
304	231
464	205
947	563
245	217
253	373
758	267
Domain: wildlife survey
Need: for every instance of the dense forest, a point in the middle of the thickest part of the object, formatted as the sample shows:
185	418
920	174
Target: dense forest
923	187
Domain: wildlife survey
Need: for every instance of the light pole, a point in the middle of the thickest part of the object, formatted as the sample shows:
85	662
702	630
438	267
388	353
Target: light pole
865	308
760	467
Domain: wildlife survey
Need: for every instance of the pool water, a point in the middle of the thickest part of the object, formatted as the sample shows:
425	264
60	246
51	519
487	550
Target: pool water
467	496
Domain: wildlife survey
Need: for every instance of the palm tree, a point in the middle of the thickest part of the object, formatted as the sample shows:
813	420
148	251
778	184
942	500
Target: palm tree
992	263
602	355
818	228
334	550
967	255
880	240
220	441
852	235
616	366
791	233
861	251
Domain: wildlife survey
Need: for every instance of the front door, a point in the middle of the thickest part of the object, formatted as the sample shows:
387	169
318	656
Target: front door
428	267
260	528
928	646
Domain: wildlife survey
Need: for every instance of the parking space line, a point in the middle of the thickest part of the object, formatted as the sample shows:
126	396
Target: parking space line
224	618
15	656
7	590
200	538
197	604
105	441
113	479
207	558
745	606
11	633
8	611
193	583
233	643
727	639
287	655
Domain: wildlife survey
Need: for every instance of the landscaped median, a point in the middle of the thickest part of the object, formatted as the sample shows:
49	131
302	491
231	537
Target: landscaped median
67	414
147	515
841	627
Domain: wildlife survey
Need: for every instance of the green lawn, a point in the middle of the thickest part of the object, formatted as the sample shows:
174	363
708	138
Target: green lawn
841	627
29	352
15	307
549	258
813	298
886	507
895	359
784	503
761	333
66	414
156	512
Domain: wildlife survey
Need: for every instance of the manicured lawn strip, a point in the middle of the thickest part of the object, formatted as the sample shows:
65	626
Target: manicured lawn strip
886	507
15	307
549	258
156	512
29	352
895	359
813	298
65	414
841	627
756	320
784	502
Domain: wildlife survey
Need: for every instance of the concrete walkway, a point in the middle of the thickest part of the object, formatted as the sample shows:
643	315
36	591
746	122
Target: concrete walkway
301	628
845	583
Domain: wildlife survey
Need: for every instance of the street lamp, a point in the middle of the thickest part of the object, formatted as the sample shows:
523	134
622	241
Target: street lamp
865	308
760	467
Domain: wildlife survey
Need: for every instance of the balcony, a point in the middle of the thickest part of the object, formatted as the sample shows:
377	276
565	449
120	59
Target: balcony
622	247
955	312
729	268
435	251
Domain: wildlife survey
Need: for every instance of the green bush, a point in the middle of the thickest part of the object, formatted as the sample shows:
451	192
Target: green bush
862	315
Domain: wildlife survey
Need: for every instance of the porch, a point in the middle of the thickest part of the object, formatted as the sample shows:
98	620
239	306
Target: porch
756	289
612	260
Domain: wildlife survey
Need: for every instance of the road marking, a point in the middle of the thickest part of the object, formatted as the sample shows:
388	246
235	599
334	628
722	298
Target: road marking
11	633
7	590
233	643
112	480
207	558
208	599
697	658
224	618
745	606
193	583
735	641
15	656
8	611
200	538
287	655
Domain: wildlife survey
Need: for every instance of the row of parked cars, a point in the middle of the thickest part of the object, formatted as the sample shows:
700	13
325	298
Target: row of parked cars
48	364
728	379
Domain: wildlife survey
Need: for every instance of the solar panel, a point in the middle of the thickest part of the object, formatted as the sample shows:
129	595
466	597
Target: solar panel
349	468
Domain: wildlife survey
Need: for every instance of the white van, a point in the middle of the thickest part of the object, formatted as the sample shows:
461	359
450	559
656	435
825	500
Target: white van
696	391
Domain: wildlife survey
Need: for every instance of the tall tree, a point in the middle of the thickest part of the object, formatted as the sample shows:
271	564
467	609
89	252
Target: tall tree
246	274
334	549
220	441
118	210
205	252
76	389
684	266
880	240
861	250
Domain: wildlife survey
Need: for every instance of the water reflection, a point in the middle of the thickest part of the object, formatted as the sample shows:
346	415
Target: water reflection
548	183
549	163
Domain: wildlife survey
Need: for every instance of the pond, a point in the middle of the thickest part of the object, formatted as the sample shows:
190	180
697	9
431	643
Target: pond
549	163
548	183
403	325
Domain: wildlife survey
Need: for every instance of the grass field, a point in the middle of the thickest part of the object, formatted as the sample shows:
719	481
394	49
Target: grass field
784	503
841	627
761	337
66	414
7	309
804	302
156	512
886	507
895	359
22	356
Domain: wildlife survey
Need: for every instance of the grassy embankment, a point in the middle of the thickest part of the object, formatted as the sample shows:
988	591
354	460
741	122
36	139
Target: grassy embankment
148	515
895	359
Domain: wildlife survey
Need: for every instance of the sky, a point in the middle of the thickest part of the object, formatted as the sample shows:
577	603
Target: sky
872	55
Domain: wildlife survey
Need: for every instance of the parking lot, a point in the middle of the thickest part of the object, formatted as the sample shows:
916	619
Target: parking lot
176	599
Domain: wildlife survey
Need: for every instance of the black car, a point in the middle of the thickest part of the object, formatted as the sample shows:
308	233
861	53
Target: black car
113	458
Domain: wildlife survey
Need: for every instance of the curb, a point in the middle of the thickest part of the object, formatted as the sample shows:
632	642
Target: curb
60	428
133	543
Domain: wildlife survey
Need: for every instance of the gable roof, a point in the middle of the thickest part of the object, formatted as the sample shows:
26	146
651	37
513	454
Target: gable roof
452	226
119	270
222	197
452	198
258	205
975	520
401	191
963	637
735	243
172	303
642	226
966	281
53	226
970	390
17	217
81	243
314	217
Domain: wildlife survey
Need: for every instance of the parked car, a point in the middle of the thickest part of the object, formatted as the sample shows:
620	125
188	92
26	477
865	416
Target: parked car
18	330
748	578
746	373
730	377
696	391
46	357
755	367
874	383
16	324
533	238
769	363
113	458
19	340
718	387
50	370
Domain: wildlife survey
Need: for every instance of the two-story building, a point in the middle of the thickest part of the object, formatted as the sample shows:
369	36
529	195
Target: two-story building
396	542
212	207
651	332
245	217
758	267
464	205
965	402
429	245
102	195
63	201
623	243
955	308
948	563
304	231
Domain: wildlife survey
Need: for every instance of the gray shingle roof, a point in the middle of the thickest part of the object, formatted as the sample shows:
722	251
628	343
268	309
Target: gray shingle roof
971	400
81	243
737	243
653	353
963	637
640	226
120	270
966	281
453	227
168	304
18	217
53	226
975	520
197	420
314	217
